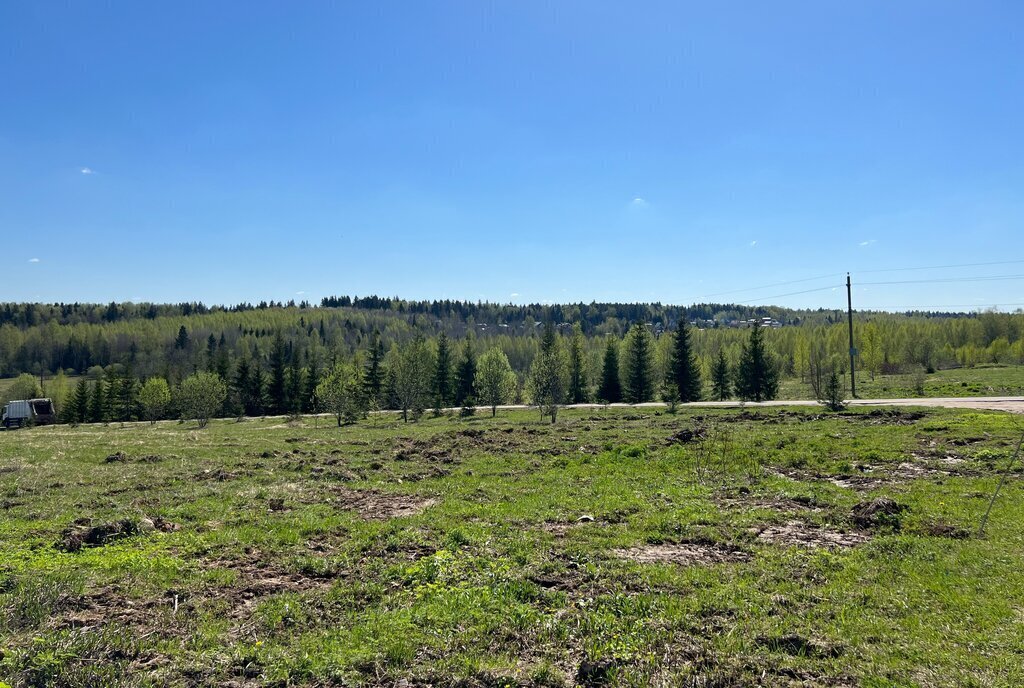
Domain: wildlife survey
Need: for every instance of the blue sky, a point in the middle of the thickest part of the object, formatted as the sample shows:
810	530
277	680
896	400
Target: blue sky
515	151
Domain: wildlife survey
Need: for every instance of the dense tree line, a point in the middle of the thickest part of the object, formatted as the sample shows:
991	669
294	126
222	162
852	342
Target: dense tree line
415	356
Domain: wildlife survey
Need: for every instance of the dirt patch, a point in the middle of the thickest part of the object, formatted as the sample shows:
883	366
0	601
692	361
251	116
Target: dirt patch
84	532
685	554
373	505
880	512
121	457
943	530
687	435
801	534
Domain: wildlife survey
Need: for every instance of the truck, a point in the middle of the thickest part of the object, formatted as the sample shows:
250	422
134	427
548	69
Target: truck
23	412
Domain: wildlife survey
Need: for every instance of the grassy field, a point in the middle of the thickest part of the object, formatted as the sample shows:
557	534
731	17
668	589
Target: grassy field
714	548
960	382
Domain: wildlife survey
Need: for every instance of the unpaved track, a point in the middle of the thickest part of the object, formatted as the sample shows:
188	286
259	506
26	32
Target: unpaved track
1011	404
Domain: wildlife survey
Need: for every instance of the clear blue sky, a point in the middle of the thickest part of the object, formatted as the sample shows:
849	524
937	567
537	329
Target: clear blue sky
513	151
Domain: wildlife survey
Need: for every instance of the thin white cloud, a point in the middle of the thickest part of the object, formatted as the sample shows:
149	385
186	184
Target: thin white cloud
869	242
34	260
514	294
753	243
87	170
299	293
638	202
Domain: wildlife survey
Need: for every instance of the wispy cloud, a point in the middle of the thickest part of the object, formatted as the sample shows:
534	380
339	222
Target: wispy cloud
87	170
299	293
753	243
514	294
34	260
638	202
869	242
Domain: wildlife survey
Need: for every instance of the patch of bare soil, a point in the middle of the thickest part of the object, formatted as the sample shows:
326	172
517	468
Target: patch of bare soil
943	529
373	505
121	457
83	532
880	512
685	554
687	435
801	534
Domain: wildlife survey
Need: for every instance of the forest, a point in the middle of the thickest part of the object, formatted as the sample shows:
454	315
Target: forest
97	361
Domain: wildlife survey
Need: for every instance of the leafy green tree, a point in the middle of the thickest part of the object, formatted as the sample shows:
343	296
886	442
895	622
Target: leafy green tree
155	398
639	365
757	377
683	369
465	376
495	382
721	380
25	386
872	349
611	387
443	372
342	393
578	391
200	396
549	375
413	367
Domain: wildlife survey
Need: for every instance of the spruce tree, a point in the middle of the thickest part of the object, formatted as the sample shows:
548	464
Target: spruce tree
466	373
578	393
639	364
78	409
257	390
211	354
373	380
721	381
312	380
181	341
611	387
240	386
443	372
278	389
757	378
98	402
549	374
294	386
683	369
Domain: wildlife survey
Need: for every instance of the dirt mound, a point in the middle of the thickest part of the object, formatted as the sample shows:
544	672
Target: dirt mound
82	533
121	457
943	530
880	512
686	435
373	505
801	534
685	554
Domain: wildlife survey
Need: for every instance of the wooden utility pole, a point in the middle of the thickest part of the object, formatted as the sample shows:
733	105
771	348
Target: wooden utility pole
853	351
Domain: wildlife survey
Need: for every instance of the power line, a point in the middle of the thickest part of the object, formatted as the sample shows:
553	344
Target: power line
779	296
942	267
766	286
992	278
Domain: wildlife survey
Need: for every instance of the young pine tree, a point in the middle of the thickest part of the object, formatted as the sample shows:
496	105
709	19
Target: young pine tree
578	393
278	389
373	380
683	369
443	372
611	388
466	373
756	378
721	380
639	365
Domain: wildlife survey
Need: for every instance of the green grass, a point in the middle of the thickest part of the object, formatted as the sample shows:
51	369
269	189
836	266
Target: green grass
451	552
960	382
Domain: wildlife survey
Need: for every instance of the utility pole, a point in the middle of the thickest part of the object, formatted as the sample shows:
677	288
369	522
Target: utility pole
853	351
